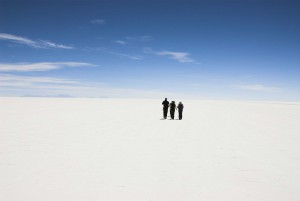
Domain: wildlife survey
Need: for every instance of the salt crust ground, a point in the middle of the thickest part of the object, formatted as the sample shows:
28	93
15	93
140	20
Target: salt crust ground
113	150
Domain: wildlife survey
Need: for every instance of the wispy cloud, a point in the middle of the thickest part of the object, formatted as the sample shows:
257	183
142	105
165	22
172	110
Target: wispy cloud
124	55
50	86
139	38
258	87
104	50
48	44
42	66
131	39
9	79
41	86
40	44
121	42
183	57
98	21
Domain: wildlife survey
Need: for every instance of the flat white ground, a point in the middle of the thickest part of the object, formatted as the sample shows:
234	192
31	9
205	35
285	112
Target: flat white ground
122	150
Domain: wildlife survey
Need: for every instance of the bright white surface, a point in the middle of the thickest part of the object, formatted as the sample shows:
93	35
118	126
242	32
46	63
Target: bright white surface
111	150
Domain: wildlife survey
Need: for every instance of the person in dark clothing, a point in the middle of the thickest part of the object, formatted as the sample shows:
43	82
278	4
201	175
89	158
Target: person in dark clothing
180	110
165	103
172	109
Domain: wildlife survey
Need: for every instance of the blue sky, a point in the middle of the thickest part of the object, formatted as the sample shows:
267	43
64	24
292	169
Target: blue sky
245	50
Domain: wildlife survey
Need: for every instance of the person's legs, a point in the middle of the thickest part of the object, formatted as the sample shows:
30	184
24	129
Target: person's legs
180	115
172	114
165	112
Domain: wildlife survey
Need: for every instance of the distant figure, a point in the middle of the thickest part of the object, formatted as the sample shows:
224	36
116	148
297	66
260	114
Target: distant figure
165	103
172	109
180	109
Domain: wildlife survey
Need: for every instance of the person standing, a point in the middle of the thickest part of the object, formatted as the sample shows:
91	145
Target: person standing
172	109
180	110
165	103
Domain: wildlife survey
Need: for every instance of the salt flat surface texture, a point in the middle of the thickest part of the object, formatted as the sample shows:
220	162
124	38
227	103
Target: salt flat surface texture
111	150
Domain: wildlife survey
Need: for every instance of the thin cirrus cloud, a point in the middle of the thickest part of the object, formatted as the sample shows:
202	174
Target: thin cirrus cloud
98	21
139	38
130	39
43	82
44	86
40	66
15	80
39	44
258	87
182	57
124	55
104	50
53	87
121	42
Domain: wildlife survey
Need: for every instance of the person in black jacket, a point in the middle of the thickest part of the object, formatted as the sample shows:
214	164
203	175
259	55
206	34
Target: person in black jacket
165	103
180	110
172	109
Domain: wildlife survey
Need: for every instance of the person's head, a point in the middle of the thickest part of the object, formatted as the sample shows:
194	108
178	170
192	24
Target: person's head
180	102
165	98
173	101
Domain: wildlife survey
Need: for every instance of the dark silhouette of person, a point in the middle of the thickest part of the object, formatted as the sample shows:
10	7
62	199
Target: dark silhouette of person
172	109
180	110
165	103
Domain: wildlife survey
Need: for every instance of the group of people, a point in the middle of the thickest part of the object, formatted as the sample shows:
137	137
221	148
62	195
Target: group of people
173	107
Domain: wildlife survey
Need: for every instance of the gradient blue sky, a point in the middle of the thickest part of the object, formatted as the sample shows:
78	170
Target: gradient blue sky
246	50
